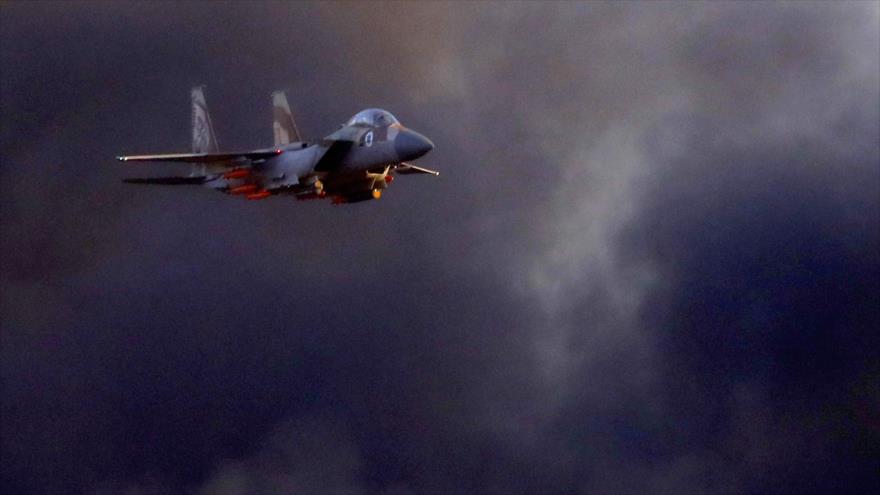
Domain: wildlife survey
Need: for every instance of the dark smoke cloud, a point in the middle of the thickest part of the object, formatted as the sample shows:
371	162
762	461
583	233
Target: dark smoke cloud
650	266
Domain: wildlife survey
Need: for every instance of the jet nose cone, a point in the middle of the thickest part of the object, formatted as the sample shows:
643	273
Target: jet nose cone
411	145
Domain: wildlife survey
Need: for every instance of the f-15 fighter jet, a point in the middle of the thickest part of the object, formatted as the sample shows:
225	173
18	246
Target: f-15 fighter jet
355	163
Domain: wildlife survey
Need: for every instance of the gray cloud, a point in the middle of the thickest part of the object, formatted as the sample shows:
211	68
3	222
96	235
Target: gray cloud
649	265
305	456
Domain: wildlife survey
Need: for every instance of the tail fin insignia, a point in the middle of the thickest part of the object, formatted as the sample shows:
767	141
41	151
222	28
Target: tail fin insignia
283	125
204	140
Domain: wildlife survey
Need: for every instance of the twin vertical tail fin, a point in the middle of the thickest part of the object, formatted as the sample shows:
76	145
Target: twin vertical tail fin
204	140
283	125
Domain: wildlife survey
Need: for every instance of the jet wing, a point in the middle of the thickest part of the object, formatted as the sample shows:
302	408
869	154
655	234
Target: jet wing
408	168
202	157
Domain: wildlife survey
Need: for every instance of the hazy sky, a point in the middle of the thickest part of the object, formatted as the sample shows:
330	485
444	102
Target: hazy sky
651	263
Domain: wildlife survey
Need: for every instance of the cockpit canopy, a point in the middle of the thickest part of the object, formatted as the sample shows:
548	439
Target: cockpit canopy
373	117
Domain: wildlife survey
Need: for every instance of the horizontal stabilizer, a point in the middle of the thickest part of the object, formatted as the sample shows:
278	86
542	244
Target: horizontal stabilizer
408	168
168	181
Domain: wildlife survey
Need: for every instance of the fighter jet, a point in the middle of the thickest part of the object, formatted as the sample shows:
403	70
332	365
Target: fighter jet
355	163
